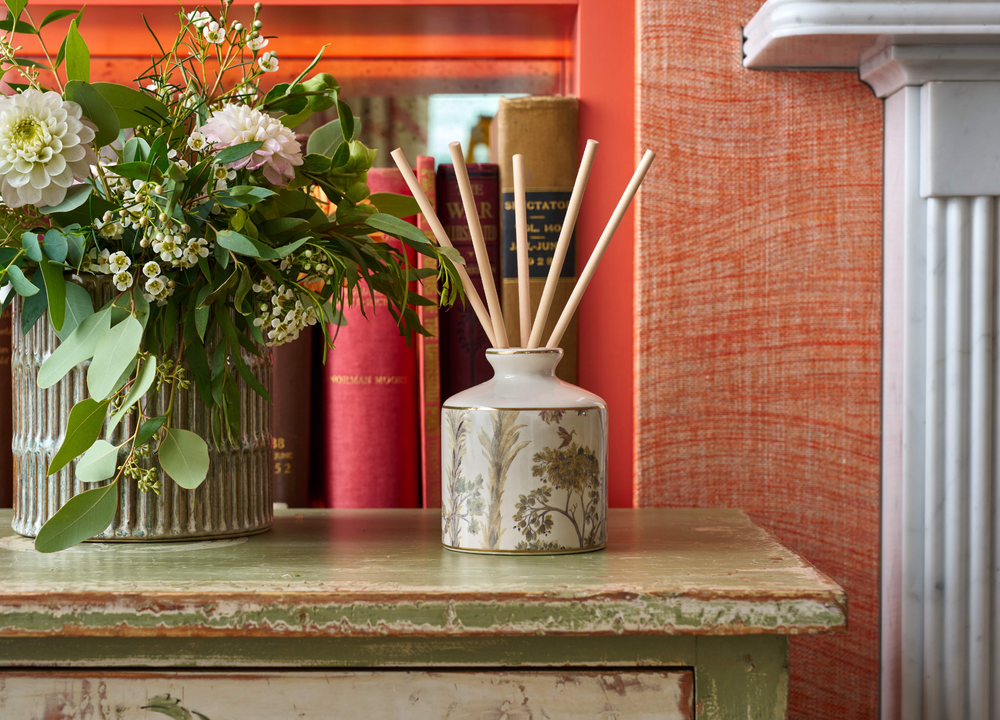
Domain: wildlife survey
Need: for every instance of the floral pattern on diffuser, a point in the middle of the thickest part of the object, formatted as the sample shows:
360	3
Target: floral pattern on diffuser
524	480
211	231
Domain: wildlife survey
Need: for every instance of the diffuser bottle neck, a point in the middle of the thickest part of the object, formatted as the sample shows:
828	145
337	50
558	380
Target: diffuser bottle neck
520	362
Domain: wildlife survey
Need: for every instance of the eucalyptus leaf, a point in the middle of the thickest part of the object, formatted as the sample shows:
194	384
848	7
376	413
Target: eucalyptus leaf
86	419
79	307
55	246
55	290
76	196
98	463
184	457
77	54
325	139
82	517
76	348
95	107
34	306
143	381
22	285
133	108
148	429
114	351
126	375
29	241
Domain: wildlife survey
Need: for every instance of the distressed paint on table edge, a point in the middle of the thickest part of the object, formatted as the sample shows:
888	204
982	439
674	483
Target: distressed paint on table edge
168	614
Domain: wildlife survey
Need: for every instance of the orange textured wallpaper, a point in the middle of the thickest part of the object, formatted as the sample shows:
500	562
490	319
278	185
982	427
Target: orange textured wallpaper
758	305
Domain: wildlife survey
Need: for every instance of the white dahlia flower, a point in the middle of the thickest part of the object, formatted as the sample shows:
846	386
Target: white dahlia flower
235	124
44	146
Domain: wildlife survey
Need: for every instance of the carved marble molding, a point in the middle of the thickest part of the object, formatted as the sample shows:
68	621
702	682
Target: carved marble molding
937	64
787	34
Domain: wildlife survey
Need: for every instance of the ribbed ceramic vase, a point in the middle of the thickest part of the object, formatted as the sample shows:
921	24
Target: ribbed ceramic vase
524	459
234	500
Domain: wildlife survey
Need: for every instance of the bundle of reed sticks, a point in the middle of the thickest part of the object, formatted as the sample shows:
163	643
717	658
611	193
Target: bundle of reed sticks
490	315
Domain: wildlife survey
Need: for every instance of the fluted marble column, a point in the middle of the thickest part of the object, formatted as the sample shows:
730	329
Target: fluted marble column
937	64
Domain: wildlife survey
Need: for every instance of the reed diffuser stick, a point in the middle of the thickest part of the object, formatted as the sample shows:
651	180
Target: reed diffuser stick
442	237
482	258
562	245
521	224
595	257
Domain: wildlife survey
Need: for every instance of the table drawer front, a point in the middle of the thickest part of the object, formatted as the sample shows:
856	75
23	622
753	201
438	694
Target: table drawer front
661	694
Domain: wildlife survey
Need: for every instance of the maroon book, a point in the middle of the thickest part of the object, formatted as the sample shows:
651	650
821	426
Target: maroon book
370	385
6	415
291	395
463	340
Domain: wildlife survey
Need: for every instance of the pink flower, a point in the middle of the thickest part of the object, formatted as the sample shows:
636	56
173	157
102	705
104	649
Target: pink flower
236	124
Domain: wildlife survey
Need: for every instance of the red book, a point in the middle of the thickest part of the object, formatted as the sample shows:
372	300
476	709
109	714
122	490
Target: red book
428	356
6	415
291	395
463	340
371	426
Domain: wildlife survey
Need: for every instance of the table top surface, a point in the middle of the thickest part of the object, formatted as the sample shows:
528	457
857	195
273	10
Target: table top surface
384	572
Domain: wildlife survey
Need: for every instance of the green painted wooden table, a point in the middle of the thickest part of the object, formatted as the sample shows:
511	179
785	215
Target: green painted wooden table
686	614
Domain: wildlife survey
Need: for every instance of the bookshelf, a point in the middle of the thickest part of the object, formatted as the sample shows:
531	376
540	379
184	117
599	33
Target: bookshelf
580	47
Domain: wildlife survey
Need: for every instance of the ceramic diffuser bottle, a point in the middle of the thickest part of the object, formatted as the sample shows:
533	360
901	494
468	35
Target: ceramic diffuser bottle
524	460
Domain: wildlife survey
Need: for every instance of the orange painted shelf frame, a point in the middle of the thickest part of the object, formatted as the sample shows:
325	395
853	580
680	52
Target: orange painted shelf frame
391	47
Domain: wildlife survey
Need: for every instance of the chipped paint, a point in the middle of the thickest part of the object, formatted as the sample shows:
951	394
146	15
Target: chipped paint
322	614
382	573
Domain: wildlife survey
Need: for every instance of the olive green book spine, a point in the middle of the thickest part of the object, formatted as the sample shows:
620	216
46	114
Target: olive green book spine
545	131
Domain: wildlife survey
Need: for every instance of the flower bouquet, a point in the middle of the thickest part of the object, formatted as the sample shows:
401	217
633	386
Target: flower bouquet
174	230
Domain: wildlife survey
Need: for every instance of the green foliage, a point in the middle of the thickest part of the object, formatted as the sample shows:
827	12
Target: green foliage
79	307
115	350
75	197
76	348
77	54
199	245
86	419
400	206
98	463
143	381
95	107
184	457
82	517
133	108
21	285
55	291
235	153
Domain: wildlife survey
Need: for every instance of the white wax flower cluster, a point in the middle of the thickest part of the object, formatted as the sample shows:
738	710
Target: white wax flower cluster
283	315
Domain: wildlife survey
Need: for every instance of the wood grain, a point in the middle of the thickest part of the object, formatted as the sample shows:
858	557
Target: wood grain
758	313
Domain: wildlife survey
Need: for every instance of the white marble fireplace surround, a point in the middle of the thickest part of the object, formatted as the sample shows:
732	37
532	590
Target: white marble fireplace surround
937	65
